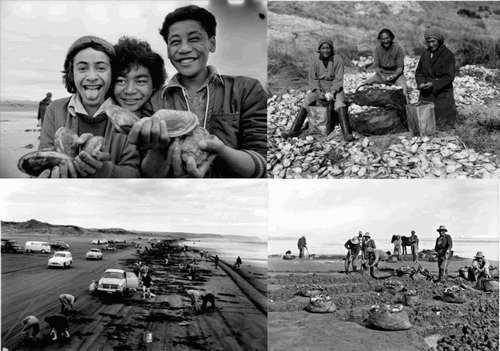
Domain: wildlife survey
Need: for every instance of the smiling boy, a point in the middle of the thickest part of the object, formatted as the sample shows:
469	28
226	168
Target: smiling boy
231	108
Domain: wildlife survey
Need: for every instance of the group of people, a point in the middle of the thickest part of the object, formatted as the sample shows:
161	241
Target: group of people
434	76
130	74
58	323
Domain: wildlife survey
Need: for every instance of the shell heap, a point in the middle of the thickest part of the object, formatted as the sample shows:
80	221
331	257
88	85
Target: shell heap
316	157
387	308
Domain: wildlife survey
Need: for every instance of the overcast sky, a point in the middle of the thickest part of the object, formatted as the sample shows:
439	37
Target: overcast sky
237	207
468	209
35	37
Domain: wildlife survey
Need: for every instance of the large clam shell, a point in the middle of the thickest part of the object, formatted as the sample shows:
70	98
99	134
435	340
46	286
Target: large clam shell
93	144
65	142
122	119
34	163
178	122
189	145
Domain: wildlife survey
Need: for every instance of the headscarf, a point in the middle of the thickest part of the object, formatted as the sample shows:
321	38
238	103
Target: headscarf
434	33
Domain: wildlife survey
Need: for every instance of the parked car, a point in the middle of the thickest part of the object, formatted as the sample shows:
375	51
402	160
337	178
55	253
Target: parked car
61	259
94	254
9	245
99	242
108	248
43	247
120	241
117	281
59	246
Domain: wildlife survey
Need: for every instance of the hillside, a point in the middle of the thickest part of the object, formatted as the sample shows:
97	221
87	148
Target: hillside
42	227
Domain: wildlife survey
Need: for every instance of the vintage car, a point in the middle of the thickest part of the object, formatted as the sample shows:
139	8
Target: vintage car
94	254
117	281
9	245
108	248
61	259
59	246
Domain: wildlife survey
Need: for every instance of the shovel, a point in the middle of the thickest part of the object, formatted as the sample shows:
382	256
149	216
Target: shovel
308	254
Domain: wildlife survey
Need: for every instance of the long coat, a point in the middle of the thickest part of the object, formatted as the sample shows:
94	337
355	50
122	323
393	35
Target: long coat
440	70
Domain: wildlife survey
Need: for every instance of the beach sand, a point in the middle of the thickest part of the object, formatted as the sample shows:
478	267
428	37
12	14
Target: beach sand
290	327
19	136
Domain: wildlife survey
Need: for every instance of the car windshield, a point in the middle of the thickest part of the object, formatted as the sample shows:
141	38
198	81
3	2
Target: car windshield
114	275
59	255
94	250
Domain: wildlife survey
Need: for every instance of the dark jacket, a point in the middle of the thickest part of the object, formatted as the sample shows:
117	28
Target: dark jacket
146	281
237	115
57	321
443	243
440	70
124	161
354	249
326	79
302	242
42	106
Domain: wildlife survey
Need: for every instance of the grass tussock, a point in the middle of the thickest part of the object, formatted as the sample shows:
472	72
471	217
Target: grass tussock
478	51
480	132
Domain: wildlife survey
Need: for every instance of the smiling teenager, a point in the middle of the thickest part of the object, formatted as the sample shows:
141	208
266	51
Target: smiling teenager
88	75
233	109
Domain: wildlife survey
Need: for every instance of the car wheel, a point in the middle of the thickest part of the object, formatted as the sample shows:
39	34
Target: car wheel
43	251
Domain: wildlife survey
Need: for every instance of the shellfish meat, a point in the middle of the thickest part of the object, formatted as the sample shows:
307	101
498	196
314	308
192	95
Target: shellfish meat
34	163
189	145
65	141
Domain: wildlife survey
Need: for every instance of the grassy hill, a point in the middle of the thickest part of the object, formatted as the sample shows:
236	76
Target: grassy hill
294	28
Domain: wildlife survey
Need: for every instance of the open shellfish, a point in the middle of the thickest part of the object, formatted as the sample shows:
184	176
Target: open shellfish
65	141
34	163
189	145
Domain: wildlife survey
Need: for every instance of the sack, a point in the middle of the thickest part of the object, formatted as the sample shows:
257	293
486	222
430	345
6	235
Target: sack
388	317
454	294
394	285
380	95
421	118
321	304
319	120
464	273
378	121
490	285
411	298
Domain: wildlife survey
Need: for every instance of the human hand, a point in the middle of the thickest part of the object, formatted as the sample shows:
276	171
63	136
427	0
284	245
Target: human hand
149	133
185	166
389	78
65	169
87	164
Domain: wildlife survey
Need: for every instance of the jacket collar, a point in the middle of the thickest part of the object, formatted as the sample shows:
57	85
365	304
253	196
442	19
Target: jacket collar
213	76
75	106
329	59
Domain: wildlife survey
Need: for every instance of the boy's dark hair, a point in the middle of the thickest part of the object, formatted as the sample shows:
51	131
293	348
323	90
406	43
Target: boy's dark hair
191	12
386	31
80	44
132	53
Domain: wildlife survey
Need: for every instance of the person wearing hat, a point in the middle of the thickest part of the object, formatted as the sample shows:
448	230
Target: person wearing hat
360	239
434	76
368	242
353	247
302	244
480	268
42	106
388	62
88	75
232	108
326	80
443	247
414	246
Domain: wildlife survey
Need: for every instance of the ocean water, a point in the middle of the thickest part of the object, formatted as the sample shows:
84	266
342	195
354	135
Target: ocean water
255	252
462	248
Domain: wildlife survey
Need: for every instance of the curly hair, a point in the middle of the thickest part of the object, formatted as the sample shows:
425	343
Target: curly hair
68	75
132	53
191	12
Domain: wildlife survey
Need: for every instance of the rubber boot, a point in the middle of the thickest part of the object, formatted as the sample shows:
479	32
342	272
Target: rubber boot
445	275
297	124
334	119
344	124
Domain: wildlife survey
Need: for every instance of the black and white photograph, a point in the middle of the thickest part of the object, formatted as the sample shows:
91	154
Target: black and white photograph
383	265
134	265
383	90
117	89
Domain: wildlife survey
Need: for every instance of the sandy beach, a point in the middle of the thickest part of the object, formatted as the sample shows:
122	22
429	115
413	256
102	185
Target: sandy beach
19	136
291	327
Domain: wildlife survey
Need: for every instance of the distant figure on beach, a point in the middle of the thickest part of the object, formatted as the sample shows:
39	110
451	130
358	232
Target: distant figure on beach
443	247
30	323
367	243
42	106
216	260
147	281
195	296
302	244
414	246
397	246
92	287
480	268
67	302
192	271
238	263
59	325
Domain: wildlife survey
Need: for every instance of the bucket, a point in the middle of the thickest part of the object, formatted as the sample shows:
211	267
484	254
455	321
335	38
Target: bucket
148	337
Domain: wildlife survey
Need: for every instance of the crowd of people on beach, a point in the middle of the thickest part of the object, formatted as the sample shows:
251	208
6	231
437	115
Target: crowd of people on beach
434	75
131	75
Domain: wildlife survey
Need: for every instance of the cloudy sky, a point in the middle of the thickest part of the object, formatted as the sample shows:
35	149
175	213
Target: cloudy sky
318	209
237	207
35	36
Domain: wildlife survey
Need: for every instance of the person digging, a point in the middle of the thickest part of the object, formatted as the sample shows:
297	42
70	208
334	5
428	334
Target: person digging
353	249
326	79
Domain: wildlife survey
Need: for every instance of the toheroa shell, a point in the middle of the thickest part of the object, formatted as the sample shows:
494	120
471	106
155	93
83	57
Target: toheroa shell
93	144
65	142
189	145
122	119
34	163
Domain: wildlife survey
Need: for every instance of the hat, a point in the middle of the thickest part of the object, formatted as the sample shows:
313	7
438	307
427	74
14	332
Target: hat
88	39
367	234
325	40
479	255
355	240
413	232
442	228
434	33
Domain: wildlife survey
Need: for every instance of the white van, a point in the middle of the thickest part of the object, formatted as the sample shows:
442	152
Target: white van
32	246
